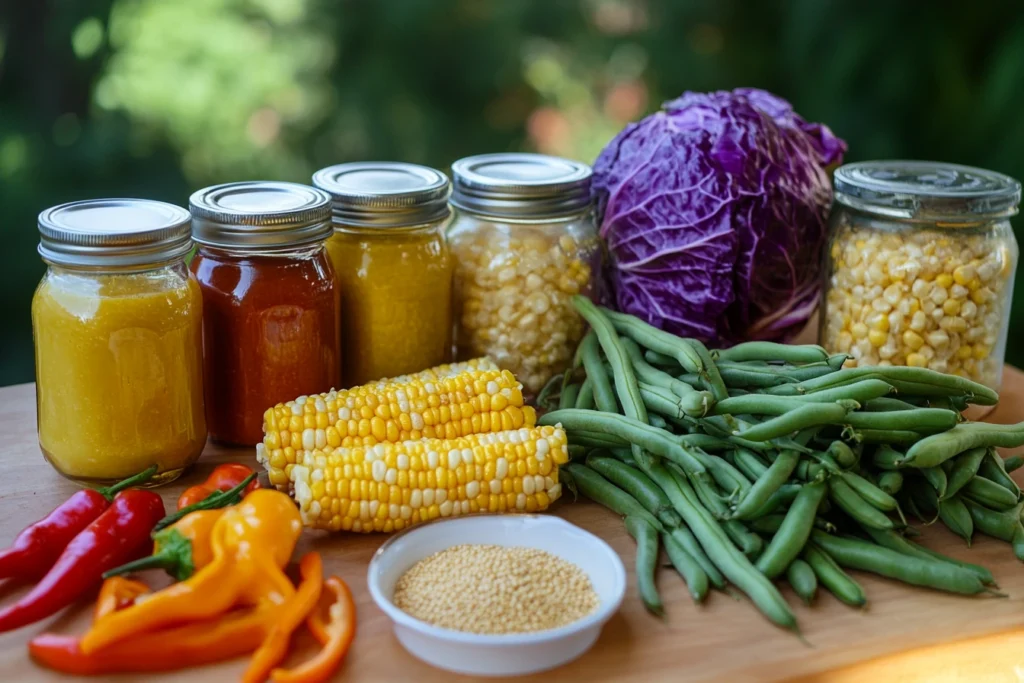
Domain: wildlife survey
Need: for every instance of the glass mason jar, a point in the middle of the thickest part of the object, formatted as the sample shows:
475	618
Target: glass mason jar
392	264
271	306
117	323
524	242
920	267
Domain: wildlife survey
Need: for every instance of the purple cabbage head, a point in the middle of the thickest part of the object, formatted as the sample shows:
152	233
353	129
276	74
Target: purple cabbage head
714	215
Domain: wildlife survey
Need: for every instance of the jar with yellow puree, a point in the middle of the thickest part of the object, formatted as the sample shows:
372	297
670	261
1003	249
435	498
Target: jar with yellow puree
392	265
117	322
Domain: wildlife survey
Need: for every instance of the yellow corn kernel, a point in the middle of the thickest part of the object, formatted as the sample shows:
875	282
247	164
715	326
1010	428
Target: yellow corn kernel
877	338
981	352
944	280
916	360
913	340
964	352
962	275
859	330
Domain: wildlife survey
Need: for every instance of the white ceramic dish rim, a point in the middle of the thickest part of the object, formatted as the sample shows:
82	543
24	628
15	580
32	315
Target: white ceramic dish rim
603	613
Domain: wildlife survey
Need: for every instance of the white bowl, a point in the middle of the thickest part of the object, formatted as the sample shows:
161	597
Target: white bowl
498	655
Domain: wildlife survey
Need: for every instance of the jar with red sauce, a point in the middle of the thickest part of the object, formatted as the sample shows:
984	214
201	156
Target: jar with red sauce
271	307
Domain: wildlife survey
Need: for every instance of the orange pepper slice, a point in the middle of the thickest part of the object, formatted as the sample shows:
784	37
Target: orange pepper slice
335	635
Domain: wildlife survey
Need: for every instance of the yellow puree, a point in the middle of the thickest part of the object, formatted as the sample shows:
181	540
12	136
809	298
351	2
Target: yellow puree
396	310
119	373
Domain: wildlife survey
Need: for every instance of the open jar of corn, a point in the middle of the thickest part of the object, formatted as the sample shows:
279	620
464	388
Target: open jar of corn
524	243
921	262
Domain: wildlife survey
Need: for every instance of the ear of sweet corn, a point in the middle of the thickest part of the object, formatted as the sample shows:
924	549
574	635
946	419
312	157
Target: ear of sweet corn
445	402
388	486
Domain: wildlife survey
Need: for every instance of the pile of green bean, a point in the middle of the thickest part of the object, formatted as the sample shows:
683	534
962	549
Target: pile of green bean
768	462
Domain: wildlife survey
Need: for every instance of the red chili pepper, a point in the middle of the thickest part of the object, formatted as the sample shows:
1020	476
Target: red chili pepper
117	536
223	478
37	547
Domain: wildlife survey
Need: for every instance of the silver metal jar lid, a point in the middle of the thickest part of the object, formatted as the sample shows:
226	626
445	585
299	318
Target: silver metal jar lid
259	215
927	191
521	186
116	233
385	194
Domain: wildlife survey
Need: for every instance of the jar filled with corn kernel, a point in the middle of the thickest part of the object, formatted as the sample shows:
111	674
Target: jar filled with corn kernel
524	242
921	263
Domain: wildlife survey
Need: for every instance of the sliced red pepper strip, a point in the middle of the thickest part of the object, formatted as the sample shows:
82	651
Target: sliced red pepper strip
335	635
176	648
290	615
117	593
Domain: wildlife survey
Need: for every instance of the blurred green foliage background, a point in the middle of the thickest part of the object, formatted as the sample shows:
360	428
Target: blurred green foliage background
156	98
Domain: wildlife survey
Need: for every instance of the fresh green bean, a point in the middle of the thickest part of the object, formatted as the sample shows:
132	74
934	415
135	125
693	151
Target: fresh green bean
544	399
750	464
771	351
727	476
857	554
585	398
662	360
595	439
567	399
957	518
919	419
1002	524
887	458
884	404
871	493
792	536
650	337
802	373
784	496
749	543
622	370
890	481
992	467
1013	463
888	436
850	502
936	476
957	403
757	404
639	434
590	354
807	470
661	401
737	375
704	442
637	484
989	494
965	466
768	484
864	391
844	456
657	421
710	498
688	568
732	563
920	380
894	541
646	562
800	418
601	491
934	449
770	524
709	373
832	577
803	580
685	538
692	402
926	499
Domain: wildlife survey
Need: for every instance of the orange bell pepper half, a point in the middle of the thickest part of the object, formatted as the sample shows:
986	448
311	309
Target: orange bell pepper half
231	636
288	617
334	635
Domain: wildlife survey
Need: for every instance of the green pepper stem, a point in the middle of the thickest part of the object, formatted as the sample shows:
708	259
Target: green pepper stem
158	561
217	499
142	477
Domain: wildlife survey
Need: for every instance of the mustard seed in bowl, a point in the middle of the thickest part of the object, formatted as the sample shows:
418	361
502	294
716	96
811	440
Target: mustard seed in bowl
495	590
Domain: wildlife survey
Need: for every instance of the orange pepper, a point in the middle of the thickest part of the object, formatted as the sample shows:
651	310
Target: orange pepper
223	478
335	636
117	593
290	616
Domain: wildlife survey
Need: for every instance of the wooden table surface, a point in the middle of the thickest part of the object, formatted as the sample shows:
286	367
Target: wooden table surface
723	640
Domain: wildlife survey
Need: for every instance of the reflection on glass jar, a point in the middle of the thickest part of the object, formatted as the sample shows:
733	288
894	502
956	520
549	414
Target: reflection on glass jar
271	307
117	321
921	265
524	243
393	267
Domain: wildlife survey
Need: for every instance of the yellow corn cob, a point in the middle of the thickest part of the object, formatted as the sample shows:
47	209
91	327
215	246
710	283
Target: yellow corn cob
388	486
444	402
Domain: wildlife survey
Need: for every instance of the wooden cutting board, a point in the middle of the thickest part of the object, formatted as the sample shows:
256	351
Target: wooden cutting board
722	640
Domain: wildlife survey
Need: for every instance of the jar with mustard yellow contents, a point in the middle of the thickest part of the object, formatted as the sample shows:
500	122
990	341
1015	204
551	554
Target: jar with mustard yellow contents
393	267
921	263
524	243
117	322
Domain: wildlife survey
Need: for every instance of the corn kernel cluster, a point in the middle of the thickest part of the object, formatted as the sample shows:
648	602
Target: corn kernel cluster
513	296
925	299
445	403
388	486
495	589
